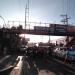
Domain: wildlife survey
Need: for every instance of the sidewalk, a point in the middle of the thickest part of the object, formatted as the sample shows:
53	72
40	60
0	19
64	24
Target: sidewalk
46	72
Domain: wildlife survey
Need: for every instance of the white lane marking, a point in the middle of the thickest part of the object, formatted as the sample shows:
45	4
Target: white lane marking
17	69
45	72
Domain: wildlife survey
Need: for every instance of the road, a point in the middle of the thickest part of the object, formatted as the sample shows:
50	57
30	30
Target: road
38	66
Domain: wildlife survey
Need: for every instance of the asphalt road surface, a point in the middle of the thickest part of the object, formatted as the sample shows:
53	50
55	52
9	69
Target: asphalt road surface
42	66
37	66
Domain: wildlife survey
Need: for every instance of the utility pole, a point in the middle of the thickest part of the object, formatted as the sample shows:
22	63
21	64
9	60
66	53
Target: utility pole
27	13
49	39
65	22
25	16
65	19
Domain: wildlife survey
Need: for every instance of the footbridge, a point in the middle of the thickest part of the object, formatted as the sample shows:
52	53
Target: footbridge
42	29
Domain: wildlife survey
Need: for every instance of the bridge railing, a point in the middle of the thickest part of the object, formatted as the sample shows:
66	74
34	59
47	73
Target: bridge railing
29	25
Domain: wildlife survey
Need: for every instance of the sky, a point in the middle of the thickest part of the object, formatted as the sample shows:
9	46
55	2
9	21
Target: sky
39	10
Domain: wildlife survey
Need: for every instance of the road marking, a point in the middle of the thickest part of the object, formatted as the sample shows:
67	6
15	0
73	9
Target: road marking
45	72
18	68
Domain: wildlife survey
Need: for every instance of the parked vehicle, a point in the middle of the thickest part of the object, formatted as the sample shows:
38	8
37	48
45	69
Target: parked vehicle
70	54
65	53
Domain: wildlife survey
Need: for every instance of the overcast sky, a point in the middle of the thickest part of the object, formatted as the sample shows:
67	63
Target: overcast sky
40	10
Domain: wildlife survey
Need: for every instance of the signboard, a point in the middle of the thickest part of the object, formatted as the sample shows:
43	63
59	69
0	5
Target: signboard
60	28
53	28
39	28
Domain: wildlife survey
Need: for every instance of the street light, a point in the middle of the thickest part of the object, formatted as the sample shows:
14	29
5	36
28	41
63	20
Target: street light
3	20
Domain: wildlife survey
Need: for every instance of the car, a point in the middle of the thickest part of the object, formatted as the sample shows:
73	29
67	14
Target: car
70	54
65	53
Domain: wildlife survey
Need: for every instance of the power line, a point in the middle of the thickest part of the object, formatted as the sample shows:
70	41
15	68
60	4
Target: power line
3	20
66	6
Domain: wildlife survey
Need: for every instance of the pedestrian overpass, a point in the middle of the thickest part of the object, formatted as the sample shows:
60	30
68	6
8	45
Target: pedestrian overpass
47	29
43	29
